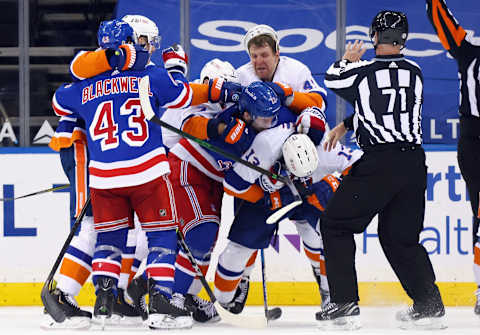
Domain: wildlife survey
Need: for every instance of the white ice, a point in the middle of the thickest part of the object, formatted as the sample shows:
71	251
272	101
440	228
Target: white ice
295	320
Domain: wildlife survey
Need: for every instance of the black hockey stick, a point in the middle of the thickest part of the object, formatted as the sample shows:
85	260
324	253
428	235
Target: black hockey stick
48	301
274	313
234	319
58	188
149	114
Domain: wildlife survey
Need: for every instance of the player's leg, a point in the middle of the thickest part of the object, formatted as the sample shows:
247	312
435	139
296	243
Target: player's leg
313	247
77	262
231	264
124	310
111	212
154	204
198	203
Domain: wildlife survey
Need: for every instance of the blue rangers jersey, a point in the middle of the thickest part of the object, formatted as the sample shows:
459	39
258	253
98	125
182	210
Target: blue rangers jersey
125	149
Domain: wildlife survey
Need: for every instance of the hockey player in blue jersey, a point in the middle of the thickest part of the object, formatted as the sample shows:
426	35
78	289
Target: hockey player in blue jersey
128	163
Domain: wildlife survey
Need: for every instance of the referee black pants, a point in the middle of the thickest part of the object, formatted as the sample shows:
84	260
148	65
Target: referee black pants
469	163
389	181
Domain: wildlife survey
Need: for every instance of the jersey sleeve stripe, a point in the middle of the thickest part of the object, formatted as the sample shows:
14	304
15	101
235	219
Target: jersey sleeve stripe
439	16
183	100
59	110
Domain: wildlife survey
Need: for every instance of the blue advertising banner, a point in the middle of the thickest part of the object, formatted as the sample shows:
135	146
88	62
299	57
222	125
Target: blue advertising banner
306	29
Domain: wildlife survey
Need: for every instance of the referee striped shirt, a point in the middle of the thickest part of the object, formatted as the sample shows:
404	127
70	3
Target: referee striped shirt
466	52
386	94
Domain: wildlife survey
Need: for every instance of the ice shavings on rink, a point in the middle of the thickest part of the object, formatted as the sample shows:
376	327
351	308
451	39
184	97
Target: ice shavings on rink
295	320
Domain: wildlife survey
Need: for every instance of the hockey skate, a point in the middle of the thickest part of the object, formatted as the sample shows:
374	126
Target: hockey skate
240	298
124	313
422	317
103	308
137	290
165	314
476	309
339	316
203	311
75	318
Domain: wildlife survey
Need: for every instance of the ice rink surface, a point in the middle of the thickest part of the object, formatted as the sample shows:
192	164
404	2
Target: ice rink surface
295	320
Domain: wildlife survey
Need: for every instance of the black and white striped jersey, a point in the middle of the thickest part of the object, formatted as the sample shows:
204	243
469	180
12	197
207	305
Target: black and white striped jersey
386	94
465	50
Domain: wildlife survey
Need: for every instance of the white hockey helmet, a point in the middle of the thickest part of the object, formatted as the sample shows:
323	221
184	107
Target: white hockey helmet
218	69
261	29
300	155
143	26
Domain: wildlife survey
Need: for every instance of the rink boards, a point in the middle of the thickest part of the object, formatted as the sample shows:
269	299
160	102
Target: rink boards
33	230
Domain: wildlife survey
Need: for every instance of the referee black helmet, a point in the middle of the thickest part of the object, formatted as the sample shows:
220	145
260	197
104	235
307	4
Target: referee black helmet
392	27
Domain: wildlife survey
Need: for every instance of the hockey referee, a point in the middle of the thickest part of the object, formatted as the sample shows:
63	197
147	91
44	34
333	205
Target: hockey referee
389	180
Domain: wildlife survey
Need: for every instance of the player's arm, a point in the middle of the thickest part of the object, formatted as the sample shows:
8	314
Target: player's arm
450	33
297	101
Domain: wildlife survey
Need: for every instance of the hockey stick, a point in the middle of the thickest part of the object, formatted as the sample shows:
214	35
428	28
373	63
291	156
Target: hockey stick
274	313
149	114
234	319
58	188
48	301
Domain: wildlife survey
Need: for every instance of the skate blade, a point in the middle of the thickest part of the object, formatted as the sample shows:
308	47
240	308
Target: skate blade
342	323
165	321
118	321
424	324
81	323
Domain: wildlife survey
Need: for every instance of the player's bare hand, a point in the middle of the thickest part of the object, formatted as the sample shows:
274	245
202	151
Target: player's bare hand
355	51
333	136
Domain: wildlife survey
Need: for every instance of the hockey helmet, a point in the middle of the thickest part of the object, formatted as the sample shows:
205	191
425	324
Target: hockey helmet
261	29
113	33
143	26
218	69
300	155
261	102
392	28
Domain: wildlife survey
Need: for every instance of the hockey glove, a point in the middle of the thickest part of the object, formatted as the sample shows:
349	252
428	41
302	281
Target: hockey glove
312	123
175	59
322	191
284	92
128	57
278	199
223	91
237	132
272	185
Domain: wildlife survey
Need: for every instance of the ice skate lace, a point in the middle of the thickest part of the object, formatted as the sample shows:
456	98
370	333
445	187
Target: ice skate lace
143	303
70	301
206	306
243	291
178	301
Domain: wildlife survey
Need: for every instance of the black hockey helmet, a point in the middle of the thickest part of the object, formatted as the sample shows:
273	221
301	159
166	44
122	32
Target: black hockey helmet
392	27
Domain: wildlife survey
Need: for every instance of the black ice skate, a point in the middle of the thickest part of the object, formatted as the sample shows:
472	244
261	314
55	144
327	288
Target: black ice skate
476	310
167	314
137	290
202	310
124	312
422	316
61	302
240	298
339	316
103	308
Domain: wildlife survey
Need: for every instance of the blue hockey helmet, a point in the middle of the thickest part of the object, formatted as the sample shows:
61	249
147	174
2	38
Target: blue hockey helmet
111	34
261	102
